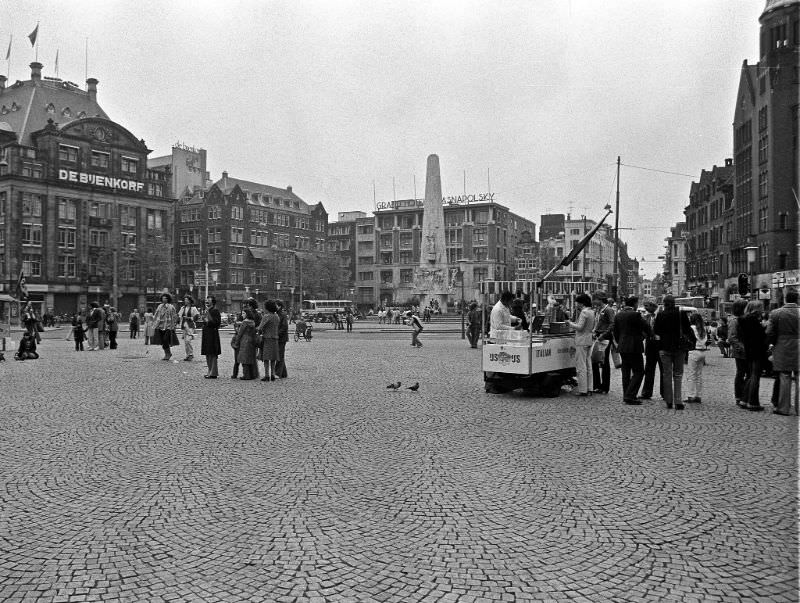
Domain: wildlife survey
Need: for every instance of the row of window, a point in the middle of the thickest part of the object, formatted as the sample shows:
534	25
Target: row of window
257	216
98	159
67	210
66	267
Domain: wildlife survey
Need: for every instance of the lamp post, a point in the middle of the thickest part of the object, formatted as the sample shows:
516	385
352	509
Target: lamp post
751	251
461	264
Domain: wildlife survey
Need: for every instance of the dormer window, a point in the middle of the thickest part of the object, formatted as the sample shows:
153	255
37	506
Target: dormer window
66	112
50	108
14	107
82	114
4	110
67	153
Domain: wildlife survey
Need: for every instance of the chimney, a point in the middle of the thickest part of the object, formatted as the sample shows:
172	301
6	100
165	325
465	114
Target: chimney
91	88
728	162
224	180
36	72
289	189
2	82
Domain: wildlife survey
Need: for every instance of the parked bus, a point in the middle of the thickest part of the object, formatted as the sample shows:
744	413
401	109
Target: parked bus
323	309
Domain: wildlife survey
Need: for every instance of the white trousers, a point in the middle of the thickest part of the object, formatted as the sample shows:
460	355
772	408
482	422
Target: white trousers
694	374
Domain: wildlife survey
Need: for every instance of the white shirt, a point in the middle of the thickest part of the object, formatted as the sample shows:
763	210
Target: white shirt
500	317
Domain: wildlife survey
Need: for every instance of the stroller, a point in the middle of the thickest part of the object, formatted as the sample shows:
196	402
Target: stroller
302	329
27	348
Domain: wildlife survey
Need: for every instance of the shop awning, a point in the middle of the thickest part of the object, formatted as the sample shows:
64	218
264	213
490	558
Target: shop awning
260	254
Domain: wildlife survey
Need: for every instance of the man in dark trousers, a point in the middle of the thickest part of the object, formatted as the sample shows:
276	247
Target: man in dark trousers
651	356
604	321
630	330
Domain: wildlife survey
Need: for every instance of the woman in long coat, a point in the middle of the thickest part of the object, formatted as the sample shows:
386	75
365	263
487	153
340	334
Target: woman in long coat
283	339
246	341
210	346
269	339
754	337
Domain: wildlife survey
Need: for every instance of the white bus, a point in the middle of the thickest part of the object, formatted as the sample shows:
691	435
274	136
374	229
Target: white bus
323	309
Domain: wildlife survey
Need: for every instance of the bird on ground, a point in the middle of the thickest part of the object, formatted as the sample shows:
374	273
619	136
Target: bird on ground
414	387
393	386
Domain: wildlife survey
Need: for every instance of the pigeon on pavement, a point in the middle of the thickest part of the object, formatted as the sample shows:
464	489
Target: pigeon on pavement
394	386
414	387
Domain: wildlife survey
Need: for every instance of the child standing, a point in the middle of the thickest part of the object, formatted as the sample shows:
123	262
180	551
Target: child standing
78	333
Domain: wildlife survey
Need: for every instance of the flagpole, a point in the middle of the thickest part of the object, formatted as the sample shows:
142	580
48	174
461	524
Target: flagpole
37	42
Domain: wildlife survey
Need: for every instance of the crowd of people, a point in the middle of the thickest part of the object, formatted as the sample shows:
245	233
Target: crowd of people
670	341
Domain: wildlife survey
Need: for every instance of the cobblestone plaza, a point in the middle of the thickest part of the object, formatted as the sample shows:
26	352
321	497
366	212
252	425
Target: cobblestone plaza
126	478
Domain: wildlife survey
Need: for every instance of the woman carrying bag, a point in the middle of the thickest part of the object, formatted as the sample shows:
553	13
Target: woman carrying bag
164	321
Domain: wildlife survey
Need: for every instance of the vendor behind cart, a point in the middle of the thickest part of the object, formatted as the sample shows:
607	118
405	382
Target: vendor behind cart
501	318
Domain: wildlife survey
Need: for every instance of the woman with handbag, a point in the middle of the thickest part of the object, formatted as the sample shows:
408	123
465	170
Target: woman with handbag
584	327
269	339
164	321
672	331
210	346
246	346
753	335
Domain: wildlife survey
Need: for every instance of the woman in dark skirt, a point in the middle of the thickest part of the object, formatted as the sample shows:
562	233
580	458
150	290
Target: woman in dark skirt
754	337
269	339
283	339
210	346
246	350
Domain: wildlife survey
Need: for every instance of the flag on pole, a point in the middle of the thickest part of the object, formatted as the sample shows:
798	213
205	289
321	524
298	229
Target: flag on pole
8	52
33	35
56	63
22	287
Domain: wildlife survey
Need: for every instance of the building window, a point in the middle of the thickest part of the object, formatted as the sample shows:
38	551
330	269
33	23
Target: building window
482	216
763	184
237	235
214	235
237	213
155	190
386	222
405	240
214	255
386	241
480	253
127	216
454	236
31	205
406	221
454	218
365	276
67	153
31	170
100	159
479	236
214	212
480	274
155	219
365	229
454	254
66	238
762	219
386	257
406	257
237	255
98	238
66	266
406	276
367	260
129	165
66	209
32	264
32	234
99	210
237	277
763	143
128	241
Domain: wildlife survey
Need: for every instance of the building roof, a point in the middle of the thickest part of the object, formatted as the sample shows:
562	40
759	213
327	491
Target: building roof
226	184
26	106
776	4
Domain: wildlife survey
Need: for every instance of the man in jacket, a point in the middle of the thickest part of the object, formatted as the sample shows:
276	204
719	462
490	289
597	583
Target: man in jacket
782	337
604	322
651	357
630	330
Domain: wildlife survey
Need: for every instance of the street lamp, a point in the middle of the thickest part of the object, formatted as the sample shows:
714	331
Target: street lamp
461	264
751	251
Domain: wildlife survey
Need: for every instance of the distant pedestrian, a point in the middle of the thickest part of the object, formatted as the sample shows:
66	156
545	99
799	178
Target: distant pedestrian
753	335
78	333
603	325
246	346
782	334
630	330
473	325
165	320
112	327
269	339
737	352
210	346
583	344
237	323
673	333
416	328
348	319
696	360
283	339
93	326
149	325
133	323
188	316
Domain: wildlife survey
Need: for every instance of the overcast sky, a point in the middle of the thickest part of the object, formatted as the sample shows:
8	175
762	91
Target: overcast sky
329	97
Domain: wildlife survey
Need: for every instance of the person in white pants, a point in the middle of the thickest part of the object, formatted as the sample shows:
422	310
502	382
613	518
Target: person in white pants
697	360
187	317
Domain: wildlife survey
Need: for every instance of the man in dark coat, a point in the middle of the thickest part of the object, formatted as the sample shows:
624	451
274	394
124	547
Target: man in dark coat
652	359
604	322
630	330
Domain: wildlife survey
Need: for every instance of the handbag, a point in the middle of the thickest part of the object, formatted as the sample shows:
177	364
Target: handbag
686	341
173	338
155	339
599	351
616	358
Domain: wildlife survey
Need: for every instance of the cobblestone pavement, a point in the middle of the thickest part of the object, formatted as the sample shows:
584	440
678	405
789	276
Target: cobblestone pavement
126	478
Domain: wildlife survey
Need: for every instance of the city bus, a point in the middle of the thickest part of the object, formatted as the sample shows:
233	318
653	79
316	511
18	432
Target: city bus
323	309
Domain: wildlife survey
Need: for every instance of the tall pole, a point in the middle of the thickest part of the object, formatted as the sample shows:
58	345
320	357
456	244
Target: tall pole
206	279
616	238
463	331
